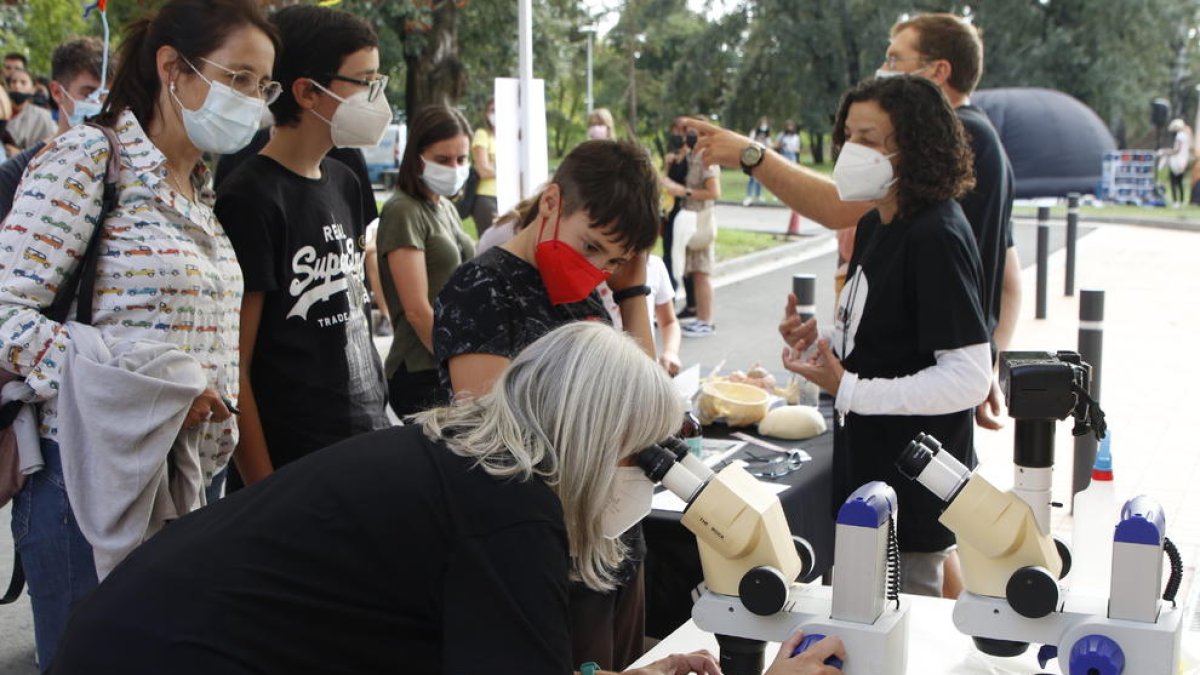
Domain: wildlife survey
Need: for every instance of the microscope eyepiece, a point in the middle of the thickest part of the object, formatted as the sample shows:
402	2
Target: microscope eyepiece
656	461
940	472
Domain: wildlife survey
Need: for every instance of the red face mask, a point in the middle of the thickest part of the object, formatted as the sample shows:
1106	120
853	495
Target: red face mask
567	275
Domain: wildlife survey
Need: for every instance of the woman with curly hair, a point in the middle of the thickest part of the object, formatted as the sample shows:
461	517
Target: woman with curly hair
908	352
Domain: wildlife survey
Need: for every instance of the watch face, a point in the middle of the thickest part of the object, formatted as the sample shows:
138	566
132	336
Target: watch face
752	155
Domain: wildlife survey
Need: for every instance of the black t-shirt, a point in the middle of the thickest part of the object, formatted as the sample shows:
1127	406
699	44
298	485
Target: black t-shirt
988	207
497	304
384	554
918	292
351	157
316	375
11	171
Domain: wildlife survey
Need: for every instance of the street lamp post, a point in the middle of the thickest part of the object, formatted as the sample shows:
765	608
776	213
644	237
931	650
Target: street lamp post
590	30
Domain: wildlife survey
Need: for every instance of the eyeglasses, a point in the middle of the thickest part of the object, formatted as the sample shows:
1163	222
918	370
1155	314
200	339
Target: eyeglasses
891	60
246	82
374	85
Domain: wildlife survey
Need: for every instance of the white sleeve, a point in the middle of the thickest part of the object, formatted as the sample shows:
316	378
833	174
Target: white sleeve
960	380
658	281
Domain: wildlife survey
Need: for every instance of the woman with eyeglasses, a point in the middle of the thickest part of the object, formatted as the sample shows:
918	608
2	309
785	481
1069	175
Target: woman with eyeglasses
193	78
310	373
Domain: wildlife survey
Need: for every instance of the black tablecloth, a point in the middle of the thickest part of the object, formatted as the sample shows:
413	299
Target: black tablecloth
673	562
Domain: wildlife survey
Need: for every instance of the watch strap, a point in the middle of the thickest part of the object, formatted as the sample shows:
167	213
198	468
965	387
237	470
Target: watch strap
631	292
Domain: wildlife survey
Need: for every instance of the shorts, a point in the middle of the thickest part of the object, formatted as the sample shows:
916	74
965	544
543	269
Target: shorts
700	261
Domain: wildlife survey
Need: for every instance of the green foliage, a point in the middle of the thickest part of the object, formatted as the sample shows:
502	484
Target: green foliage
40	26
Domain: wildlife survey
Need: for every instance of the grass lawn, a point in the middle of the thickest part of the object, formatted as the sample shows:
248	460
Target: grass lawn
733	182
1059	212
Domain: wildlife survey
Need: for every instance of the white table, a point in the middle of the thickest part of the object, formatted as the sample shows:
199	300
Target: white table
935	646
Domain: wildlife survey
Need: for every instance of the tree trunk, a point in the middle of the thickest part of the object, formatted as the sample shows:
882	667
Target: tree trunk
816	146
434	74
633	112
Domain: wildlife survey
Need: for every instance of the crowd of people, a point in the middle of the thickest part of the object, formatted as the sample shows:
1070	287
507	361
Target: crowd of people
216	485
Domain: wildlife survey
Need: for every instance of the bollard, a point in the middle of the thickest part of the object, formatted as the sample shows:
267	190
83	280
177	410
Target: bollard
1072	236
1091	350
1043	253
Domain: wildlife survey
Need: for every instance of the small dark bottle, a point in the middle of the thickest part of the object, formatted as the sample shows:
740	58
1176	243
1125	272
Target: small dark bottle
691	432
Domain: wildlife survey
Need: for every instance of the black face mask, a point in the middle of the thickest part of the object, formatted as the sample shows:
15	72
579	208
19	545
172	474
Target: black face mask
674	142
691	140
19	97
40	99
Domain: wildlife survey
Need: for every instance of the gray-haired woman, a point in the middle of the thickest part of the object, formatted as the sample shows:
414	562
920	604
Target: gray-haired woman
445	546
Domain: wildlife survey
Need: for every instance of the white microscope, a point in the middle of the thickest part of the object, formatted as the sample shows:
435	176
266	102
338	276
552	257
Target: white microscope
751	562
1011	565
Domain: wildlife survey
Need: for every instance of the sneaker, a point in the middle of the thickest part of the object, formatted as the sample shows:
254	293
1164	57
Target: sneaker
686	315
747	201
698	328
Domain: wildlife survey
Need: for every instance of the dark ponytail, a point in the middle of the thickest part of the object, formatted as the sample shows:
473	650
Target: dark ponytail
194	28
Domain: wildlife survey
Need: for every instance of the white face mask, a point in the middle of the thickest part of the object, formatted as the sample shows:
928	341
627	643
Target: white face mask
491	118
630	502
225	122
357	122
883	74
598	132
444	180
81	109
862	174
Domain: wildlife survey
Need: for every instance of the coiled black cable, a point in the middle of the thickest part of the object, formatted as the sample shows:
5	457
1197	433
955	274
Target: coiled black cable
893	562
1176	577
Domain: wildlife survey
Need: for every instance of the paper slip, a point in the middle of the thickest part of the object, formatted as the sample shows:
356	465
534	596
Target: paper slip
667	501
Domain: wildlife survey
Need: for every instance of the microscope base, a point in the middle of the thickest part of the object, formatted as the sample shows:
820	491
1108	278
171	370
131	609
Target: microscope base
1148	648
880	648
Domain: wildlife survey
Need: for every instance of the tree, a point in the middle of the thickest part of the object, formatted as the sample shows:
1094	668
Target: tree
40	27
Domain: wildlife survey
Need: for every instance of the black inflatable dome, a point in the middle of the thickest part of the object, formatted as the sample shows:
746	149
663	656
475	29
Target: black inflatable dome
1055	142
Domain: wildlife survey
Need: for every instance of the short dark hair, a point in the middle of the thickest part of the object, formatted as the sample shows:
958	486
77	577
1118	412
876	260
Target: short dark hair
432	124
948	37
935	158
77	56
615	183
314	42
194	28
18	56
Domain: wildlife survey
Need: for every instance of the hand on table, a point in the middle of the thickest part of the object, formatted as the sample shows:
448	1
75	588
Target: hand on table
810	662
670	363
701	662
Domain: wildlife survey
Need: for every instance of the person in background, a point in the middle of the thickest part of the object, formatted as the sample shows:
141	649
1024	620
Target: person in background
421	242
30	124
909	350
700	191
760	134
675	168
600	125
310	374
483	156
75	66
594	221
14	61
1178	156
167	276
788	144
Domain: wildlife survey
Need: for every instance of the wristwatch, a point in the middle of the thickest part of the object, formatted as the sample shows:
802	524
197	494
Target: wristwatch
752	156
631	292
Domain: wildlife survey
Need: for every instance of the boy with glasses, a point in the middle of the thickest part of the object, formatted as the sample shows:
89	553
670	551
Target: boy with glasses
310	374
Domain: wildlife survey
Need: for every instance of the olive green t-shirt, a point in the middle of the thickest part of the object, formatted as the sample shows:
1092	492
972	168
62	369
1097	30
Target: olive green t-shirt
410	222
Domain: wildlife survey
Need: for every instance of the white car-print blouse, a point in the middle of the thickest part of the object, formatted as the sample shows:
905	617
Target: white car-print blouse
166	270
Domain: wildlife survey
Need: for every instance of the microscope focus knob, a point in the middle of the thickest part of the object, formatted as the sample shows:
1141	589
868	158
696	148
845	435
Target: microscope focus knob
812	639
764	590
1032	592
1096	655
